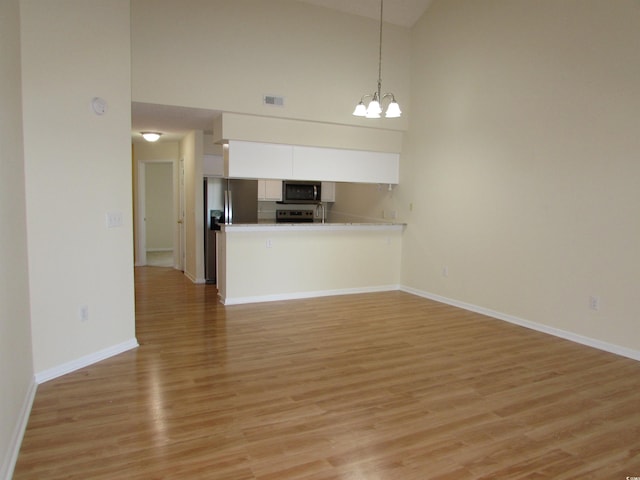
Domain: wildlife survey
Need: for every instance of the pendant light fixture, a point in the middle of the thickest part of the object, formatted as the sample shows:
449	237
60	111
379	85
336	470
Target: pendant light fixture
151	136
374	109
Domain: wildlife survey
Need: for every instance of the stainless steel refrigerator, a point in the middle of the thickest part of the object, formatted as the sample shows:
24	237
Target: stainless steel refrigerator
226	201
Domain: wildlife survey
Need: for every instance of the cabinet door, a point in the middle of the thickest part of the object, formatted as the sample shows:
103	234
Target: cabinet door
332	164
270	190
328	192
258	160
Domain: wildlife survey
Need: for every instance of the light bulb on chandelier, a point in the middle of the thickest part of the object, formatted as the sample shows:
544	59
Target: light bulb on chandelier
374	109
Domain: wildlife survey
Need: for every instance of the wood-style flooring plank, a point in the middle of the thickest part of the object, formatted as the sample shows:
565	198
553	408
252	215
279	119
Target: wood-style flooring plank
370	386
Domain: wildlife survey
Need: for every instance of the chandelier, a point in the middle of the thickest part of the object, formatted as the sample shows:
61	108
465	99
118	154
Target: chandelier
374	109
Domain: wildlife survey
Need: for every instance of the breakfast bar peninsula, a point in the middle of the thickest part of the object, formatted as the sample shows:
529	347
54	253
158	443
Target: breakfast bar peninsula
279	261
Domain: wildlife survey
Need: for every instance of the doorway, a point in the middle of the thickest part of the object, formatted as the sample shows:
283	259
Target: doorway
157	212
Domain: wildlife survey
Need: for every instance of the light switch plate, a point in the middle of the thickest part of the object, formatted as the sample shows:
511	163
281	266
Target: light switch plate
114	219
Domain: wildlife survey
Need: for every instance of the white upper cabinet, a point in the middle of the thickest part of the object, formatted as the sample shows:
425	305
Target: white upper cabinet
258	160
332	164
293	162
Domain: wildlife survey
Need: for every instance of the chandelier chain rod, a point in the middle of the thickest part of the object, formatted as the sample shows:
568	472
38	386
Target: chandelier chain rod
374	109
380	55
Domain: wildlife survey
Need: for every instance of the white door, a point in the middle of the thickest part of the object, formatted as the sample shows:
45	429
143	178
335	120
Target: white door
141	247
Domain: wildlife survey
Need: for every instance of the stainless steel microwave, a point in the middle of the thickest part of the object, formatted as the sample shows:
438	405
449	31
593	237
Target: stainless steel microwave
301	192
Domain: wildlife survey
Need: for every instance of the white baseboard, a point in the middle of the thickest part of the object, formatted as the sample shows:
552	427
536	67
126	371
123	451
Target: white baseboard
193	278
299	295
11	457
574	337
85	361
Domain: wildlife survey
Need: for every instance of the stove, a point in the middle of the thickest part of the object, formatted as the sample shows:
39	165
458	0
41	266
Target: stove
294	216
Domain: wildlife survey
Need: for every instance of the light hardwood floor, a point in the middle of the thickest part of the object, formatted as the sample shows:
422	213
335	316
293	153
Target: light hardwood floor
360	387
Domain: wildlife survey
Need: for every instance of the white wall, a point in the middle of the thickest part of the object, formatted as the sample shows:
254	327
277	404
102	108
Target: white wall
78	168
16	367
226	55
522	162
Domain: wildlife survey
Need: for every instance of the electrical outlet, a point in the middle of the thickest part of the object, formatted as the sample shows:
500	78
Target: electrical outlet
269	244
445	271
594	302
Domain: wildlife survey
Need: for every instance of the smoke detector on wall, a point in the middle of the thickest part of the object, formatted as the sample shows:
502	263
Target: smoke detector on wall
99	105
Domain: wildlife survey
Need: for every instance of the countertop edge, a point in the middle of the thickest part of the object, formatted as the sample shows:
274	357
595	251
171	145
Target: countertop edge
298	227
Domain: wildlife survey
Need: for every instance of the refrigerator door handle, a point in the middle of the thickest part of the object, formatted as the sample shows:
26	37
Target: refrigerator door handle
226	206
230	205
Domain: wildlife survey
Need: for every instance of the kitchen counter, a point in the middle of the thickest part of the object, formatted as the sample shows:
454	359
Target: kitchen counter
316	226
268	261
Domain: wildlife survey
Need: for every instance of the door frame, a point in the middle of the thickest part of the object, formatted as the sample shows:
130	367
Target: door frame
180	253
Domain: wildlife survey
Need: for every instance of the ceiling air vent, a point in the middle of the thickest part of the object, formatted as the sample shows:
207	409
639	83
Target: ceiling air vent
274	100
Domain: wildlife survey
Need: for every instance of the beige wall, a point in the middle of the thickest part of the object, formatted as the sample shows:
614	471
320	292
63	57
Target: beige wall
16	366
78	168
226	55
210	148
522	161
191	152
364	202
